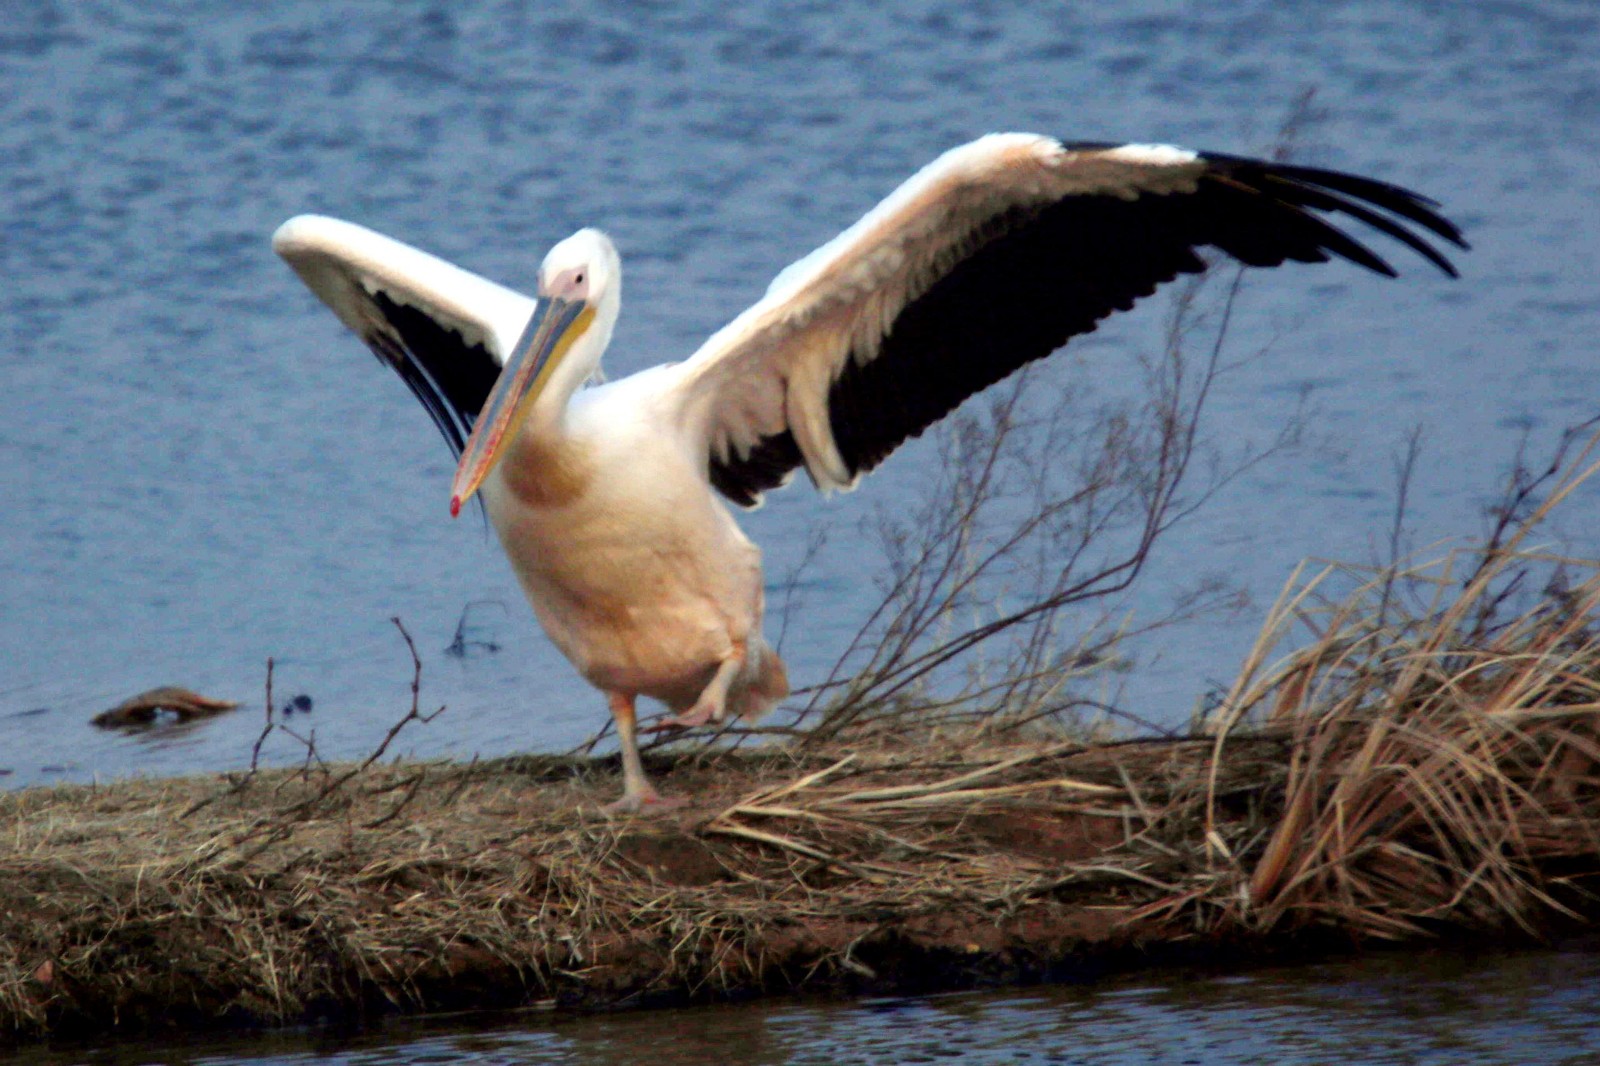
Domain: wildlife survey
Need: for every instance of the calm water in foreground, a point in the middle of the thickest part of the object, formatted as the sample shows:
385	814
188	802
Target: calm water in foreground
1416	1010
201	469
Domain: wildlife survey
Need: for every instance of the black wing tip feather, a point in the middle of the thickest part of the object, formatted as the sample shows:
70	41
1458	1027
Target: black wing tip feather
1336	192
450	424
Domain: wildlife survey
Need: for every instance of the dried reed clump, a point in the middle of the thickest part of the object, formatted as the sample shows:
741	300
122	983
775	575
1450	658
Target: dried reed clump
1444	756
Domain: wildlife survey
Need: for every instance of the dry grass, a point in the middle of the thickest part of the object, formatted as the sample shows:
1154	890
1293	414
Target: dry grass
1444	746
433	885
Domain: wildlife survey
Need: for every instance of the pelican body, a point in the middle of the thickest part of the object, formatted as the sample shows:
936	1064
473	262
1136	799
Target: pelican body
611	500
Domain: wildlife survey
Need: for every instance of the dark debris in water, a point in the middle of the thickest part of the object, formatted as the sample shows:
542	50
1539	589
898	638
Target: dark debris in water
146	708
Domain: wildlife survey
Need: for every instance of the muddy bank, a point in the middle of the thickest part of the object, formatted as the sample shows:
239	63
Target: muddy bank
892	866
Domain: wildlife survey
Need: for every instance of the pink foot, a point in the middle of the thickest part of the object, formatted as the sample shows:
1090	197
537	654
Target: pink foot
647	802
698	715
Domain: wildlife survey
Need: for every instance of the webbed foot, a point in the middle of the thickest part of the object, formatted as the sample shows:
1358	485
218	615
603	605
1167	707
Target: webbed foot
702	712
648	801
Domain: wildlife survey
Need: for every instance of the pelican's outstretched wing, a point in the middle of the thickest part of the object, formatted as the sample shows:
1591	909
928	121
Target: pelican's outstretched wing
444	330
992	256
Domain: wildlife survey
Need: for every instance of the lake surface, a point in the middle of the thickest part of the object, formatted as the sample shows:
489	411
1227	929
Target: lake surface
201	468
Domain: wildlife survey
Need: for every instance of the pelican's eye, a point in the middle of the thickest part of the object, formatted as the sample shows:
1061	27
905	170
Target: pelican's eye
572	284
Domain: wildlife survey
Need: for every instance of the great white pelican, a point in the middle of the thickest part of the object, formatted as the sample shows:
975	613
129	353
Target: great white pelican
611	500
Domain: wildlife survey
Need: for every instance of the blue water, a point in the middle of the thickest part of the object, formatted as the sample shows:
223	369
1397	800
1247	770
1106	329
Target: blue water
202	469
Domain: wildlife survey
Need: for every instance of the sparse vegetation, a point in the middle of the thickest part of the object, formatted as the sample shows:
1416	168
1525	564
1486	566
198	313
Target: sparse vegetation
1427	764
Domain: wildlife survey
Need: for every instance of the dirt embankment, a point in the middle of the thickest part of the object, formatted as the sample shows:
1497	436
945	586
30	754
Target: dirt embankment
951	861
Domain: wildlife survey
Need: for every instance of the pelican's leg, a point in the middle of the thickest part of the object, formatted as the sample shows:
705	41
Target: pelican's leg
712	706
637	792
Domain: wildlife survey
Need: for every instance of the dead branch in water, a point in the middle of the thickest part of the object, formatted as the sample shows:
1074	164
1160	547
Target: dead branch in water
278	823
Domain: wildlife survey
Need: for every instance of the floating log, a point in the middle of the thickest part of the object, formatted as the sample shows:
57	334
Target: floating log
141	710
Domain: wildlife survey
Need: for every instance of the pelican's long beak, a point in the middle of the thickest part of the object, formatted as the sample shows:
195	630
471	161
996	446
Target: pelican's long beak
555	325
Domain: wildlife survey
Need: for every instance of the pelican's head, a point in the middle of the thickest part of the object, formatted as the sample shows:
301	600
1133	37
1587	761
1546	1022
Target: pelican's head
580	292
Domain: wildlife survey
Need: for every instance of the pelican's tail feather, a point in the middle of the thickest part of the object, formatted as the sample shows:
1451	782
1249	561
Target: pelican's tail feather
763	683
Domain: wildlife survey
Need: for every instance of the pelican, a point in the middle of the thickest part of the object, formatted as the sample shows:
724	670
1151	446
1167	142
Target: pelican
611	499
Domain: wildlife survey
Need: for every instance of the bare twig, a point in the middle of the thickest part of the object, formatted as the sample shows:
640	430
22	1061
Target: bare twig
278	824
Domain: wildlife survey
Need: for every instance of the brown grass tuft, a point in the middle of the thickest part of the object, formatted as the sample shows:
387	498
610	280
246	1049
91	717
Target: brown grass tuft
1443	744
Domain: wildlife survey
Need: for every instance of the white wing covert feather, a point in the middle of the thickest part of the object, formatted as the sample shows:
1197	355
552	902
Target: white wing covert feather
446	331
